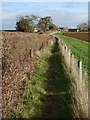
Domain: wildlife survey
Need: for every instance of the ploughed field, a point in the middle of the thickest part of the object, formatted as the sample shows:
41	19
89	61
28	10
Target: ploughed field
79	35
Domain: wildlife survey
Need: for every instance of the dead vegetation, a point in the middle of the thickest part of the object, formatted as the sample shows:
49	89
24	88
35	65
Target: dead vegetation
17	64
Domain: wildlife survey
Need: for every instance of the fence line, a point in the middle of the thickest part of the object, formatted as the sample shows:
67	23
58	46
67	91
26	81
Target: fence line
42	48
74	67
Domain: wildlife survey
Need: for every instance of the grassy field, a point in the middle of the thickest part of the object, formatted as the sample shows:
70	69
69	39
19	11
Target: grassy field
48	94
79	48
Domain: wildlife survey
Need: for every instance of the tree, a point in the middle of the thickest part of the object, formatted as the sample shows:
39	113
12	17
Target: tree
26	23
53	27
45	23
83	27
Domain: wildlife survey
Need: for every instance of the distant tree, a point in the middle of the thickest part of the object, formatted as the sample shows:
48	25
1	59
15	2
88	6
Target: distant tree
46	23
83	27
26	23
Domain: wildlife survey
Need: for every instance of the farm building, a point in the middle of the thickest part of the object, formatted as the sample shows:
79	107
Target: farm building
65	29
60	28
73	30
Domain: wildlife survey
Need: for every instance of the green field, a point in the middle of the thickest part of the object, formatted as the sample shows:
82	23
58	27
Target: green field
79	48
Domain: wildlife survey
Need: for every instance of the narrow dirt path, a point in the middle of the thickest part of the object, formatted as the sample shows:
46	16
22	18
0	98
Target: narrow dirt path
48	93
58	100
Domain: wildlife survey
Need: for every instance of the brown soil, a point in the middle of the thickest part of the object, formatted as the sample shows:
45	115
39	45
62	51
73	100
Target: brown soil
83	36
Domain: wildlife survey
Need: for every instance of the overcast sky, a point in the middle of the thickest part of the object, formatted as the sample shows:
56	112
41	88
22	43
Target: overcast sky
63	13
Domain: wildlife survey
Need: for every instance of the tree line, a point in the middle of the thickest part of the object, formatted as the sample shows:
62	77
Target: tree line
28	23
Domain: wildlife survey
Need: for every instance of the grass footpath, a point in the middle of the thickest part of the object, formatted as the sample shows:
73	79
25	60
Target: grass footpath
48	94
79	48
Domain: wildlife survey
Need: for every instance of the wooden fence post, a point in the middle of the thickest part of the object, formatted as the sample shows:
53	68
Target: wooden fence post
66	49
72	63
69	58
63	49
51	42
42	47
31	53
80	73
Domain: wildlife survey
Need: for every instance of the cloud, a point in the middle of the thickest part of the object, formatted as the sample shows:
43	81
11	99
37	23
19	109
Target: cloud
67	18
62	14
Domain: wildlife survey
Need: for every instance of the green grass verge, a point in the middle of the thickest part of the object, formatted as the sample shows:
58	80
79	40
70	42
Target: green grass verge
79	48
32	105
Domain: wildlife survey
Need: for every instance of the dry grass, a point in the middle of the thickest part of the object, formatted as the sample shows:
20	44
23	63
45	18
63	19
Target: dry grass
17	64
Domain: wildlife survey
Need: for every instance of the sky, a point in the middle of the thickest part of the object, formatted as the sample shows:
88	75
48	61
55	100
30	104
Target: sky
63	13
